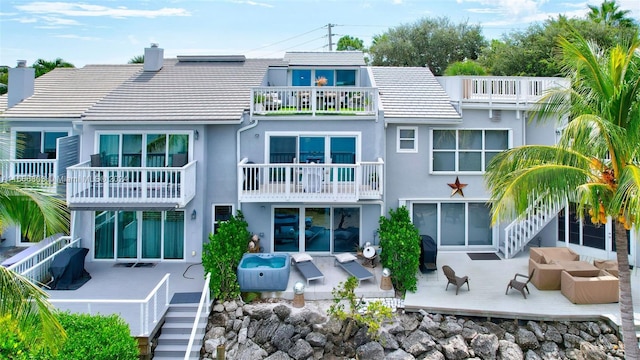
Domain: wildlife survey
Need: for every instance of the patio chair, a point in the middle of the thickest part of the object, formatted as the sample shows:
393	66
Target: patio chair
453	279
519	285
349	263
308	270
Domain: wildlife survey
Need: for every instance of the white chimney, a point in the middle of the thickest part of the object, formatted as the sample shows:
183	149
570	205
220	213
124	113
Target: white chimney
153	58
21	83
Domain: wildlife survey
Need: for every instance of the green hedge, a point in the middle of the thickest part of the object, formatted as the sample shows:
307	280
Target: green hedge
96	337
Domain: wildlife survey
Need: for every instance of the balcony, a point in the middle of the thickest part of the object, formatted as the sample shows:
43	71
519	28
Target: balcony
508	91
42	171
130	187
310	182
314	101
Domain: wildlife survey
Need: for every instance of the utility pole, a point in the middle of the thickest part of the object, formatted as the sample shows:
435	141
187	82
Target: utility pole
329	26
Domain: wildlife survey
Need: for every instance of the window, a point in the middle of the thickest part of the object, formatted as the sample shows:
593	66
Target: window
36	143
136	150
321	149
221	213
455	223
407	139
308	77
466	150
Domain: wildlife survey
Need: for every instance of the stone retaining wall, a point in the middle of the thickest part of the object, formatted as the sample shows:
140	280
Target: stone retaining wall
279	332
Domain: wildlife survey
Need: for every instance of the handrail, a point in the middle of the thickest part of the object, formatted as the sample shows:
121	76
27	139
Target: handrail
37	260
204	299
144	304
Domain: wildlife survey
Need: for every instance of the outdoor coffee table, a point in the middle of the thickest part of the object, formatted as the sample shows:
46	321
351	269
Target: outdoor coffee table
577	267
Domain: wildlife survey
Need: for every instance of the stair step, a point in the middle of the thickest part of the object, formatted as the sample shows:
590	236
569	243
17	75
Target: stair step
180	316
176	328
172	350
183	307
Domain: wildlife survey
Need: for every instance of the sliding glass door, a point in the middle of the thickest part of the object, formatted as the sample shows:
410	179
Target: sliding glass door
139	235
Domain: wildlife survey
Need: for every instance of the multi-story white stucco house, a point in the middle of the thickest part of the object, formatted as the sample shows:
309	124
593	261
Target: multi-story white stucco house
313	148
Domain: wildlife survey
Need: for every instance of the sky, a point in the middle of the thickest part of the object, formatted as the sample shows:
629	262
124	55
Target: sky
114	31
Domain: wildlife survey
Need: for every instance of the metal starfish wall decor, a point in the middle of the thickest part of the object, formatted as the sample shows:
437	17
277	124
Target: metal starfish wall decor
457	187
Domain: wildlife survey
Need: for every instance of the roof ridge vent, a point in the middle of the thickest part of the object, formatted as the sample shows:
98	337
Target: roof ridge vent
211	58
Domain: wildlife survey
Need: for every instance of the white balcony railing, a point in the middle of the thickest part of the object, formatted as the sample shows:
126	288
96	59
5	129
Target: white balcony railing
310	182
499	89
141	314
34	170
305	100
130	185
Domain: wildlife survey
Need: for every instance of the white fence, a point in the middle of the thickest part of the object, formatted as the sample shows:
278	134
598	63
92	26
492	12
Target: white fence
127	185
33	170
147	311
310	182
202	316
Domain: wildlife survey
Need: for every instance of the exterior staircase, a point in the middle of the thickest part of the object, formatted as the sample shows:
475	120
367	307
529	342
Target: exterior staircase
175	333
524	229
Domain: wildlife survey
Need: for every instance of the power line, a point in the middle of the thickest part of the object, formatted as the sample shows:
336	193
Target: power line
285	40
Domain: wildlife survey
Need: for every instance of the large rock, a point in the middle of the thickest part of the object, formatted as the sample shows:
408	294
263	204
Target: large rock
509	350
266	330
592	352
300	350
418	342
282	337
370	351
455	348
450	327
552	334
485	345
399	355
527	339
250	351
316	339
278	355
282	311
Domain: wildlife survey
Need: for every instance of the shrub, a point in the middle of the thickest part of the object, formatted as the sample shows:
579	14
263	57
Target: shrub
96	337
222	254
12	341
371	316
400	243
467	67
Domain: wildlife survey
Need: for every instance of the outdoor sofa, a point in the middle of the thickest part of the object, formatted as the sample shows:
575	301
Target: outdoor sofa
597	287
547	263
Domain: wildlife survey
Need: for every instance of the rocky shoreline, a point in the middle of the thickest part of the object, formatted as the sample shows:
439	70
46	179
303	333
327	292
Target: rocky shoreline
278	331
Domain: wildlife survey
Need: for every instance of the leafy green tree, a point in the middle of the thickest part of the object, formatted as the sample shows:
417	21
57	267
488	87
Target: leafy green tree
400	243
222	254
4	79
467	67
609	14
432	42
44	66
24	308
596	163
350	43
138	59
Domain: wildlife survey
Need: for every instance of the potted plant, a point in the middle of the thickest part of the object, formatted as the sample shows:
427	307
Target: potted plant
258	100
321	81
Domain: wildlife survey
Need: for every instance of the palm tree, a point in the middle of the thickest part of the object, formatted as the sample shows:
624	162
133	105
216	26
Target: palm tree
609	13
27	305
596	163
138	59
43	66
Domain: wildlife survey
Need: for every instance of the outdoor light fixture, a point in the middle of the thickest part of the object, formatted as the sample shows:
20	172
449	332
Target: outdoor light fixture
298	294
196	134
385	282
193	215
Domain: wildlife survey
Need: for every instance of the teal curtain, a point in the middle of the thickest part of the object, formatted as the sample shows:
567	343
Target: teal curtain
109	149
104	233
174	235
127	235
178	144
151	234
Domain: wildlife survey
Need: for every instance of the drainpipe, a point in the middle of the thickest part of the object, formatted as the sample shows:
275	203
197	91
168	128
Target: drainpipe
251	125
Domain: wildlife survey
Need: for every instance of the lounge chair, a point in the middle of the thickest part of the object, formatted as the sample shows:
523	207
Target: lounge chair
307	268
350	264
520	285
453	279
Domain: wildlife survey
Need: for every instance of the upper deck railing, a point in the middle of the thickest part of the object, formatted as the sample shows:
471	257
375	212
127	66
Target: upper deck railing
130	185
32	170
313	100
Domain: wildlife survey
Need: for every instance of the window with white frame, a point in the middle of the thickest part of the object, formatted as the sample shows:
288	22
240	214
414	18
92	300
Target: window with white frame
407	139
221	213
466	150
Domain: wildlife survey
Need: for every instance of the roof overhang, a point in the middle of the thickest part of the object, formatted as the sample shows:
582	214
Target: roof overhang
124	207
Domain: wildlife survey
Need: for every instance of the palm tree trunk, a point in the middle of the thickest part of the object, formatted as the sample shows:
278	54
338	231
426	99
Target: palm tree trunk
626	302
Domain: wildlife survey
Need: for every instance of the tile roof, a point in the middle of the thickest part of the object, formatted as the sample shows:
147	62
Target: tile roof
412	93
332	58
215	90
69	92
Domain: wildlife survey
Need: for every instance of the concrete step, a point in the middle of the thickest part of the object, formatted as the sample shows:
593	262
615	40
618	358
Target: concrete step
180	316
183	307
176	328
172	350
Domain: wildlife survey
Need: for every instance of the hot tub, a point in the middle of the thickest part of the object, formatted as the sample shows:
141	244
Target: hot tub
264	272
